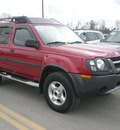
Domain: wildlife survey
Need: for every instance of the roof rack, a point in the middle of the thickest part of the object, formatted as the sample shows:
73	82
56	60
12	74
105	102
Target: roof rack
5	19
24	19
20	19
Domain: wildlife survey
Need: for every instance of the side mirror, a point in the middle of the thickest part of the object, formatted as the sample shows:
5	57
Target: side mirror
31	43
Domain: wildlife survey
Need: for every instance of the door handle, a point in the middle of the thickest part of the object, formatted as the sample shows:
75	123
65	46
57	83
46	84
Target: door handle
11	50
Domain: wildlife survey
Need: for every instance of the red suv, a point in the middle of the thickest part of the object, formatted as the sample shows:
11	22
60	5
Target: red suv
46	54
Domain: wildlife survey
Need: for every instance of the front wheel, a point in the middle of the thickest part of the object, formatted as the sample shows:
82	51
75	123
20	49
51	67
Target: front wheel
59	93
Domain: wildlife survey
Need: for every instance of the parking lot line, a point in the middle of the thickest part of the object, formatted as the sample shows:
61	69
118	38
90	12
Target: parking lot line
18	118
12	122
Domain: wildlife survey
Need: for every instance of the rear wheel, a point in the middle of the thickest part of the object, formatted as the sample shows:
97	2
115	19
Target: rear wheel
59	93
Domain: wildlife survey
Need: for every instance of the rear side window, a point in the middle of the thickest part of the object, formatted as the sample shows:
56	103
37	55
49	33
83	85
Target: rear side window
4	35
91	36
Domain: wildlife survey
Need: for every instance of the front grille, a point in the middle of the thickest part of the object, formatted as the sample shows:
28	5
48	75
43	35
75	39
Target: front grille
116	62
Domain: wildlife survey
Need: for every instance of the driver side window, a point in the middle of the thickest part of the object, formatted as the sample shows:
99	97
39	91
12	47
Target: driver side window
21	35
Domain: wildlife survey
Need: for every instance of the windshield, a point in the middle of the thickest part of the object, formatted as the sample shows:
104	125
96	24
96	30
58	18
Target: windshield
57	35
114	37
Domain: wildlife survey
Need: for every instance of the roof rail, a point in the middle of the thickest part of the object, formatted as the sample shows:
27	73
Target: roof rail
20	19
30	20
5	19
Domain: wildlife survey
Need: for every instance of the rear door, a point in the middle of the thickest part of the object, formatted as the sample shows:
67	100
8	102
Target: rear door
5	31
25	61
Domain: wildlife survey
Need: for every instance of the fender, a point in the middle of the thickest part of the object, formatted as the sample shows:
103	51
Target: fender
75	79
61	61
50	68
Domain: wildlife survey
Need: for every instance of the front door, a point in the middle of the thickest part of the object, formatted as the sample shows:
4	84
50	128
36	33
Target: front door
25	61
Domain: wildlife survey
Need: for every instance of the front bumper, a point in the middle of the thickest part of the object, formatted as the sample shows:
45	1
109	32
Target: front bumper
95	84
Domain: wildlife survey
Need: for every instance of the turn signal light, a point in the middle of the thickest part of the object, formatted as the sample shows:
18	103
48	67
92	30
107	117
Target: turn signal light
85	76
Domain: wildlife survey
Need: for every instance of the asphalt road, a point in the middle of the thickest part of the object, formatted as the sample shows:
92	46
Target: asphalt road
22	107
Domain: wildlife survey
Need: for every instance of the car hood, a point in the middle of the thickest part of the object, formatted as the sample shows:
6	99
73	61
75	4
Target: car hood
93	42
114	44
91	50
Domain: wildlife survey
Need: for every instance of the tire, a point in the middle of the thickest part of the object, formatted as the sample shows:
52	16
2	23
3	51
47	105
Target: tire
59	93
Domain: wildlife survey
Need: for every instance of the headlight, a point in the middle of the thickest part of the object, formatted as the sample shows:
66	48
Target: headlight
97	65
100	64
93	65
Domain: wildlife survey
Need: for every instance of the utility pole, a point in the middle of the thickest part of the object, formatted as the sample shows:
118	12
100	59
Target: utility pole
42	8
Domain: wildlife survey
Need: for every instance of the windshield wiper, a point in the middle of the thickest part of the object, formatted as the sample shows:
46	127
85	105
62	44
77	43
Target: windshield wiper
56	42
113	41
116	41
75	42
60	42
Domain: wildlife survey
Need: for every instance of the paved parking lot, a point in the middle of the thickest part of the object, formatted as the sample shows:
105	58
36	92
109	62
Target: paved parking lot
22	107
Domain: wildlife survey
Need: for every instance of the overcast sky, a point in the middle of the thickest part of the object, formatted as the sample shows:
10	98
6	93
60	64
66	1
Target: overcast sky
65	10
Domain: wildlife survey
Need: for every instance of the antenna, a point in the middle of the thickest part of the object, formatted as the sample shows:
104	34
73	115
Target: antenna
42	8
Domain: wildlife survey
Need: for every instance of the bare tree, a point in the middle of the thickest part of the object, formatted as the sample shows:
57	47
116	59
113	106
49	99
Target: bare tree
92	25
70	24
78	25
102	25
117	24
5	15
86	25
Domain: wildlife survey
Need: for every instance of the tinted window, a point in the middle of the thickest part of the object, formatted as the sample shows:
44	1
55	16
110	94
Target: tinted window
91	36
83	36
99	36
4	35
21	35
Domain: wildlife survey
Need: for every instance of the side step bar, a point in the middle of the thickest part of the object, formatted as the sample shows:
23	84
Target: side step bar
25	81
